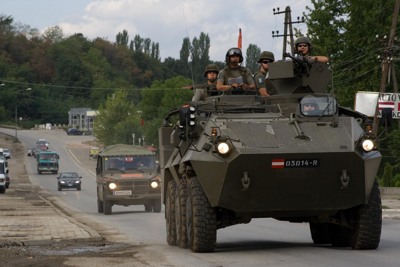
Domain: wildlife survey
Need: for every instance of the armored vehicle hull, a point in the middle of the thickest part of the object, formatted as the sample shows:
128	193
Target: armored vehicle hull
232	158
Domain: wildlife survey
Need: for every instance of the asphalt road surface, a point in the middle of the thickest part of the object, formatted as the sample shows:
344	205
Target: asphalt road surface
263	242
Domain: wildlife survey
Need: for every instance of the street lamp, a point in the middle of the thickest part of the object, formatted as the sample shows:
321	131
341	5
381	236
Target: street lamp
16	114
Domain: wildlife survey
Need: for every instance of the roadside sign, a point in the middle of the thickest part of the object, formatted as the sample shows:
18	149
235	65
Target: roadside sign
365	102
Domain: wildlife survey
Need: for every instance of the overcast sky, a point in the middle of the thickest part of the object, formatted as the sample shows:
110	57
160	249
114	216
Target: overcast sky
166	22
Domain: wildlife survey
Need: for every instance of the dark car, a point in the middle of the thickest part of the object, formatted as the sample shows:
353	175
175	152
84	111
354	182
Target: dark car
69	180
74	131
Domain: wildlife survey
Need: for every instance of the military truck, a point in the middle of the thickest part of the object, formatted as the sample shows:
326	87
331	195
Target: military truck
231	158
127	175
47	161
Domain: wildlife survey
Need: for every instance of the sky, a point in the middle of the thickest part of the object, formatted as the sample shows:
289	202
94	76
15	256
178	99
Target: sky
166	22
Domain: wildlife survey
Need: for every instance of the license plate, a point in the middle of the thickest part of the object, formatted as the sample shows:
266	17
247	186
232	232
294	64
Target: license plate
122	193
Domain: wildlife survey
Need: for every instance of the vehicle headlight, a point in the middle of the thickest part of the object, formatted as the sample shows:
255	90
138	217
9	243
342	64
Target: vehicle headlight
224	148
112	186
154	184
77	182
62	182
368	145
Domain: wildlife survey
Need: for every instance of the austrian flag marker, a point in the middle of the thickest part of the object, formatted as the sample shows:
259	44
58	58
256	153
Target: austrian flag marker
278	163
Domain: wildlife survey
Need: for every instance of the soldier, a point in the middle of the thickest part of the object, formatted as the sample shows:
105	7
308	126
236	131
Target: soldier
303	48
234	76
209	88
261	76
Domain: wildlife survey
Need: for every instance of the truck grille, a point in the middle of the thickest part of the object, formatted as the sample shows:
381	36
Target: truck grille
137	187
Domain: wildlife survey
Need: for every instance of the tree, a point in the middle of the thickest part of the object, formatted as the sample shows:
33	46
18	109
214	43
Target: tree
122	38
252	54
117	120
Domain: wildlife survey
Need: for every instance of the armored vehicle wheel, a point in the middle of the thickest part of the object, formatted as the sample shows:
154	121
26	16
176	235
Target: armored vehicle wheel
340	235
201	220
170	213
147	207
100	208
156	204
320	233
180	214
367	232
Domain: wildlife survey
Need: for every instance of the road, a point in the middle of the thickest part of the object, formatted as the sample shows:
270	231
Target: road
263	242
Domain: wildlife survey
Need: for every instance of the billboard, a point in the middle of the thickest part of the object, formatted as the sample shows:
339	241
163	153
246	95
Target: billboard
365	102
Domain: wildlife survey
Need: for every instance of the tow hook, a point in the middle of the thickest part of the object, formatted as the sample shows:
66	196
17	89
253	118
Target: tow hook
344	179
245	180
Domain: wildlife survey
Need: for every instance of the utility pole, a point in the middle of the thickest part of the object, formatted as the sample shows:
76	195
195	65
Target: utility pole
387	60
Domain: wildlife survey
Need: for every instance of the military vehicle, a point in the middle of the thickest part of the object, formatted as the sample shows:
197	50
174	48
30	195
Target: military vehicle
127	175
231	158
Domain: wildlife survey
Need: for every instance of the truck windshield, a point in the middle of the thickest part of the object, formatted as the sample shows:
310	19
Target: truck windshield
318	106
130	163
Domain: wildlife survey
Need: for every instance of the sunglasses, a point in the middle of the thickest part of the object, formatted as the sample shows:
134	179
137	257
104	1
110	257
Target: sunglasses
302	45
266	61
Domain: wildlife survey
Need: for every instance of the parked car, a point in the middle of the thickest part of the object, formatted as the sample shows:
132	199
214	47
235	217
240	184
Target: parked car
74	131
43	144
2	183
69	180
7	153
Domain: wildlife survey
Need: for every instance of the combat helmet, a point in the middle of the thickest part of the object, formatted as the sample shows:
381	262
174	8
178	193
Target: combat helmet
305	40
211	67
266	55
233	51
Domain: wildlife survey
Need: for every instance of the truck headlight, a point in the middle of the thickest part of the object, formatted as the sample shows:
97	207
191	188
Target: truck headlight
154	184
112	186
224	147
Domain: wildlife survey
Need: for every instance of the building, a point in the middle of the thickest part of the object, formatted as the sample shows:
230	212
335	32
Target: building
81	118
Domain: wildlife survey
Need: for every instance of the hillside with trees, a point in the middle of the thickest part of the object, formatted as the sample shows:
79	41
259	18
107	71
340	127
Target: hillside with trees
133	88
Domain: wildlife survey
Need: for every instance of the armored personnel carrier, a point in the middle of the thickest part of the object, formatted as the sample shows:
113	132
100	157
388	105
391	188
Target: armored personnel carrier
296	156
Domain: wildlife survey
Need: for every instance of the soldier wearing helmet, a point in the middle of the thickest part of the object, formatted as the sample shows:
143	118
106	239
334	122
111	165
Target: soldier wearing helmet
309	105
264	87
303	48
235	76
209	88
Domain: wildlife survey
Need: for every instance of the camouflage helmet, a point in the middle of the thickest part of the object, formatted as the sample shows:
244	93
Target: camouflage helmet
211	67
266	55
303	40
233	51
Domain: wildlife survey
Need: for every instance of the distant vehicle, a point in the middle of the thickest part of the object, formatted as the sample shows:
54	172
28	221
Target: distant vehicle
47	161
74	131
69	180
127	175
43	144
7	153
2	183
4	170
93	152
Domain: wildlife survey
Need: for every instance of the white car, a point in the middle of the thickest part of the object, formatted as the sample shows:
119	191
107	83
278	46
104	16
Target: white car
7	153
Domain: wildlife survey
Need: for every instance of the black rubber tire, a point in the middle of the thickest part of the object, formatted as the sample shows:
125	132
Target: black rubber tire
156	204
148	207
170	213
180	214
320	233
201	219
2	190
367	232
100	207
107	206
340	235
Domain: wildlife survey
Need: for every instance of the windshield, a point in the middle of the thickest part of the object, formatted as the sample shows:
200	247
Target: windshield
130	163
47	156
318	106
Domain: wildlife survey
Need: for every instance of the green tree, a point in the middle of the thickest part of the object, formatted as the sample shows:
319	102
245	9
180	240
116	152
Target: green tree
252	54
122	38
117	120
387	177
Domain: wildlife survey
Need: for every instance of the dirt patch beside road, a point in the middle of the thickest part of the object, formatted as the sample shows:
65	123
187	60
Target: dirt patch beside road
106	251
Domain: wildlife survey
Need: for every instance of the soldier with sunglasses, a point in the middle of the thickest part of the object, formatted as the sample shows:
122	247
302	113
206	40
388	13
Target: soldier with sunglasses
263	86
303	48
